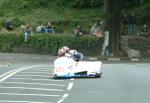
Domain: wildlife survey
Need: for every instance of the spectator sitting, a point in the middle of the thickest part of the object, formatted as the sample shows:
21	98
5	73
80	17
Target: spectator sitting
40	29
49	28
144	30
9	25
78	31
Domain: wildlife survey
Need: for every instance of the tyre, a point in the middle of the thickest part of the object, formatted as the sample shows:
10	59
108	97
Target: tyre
98	75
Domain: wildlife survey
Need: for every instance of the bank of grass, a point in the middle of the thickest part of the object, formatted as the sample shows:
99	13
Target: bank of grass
63	18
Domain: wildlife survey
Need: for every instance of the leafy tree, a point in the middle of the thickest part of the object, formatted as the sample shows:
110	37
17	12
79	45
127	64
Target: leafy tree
112	9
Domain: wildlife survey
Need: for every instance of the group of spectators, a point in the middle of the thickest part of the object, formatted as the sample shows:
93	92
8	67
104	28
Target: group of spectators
45	29
96	30
129	25
40	29
28	29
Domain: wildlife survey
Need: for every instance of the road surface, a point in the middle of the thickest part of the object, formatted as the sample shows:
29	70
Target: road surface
27	79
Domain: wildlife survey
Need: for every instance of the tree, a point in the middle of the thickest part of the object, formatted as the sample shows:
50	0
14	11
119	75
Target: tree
112	9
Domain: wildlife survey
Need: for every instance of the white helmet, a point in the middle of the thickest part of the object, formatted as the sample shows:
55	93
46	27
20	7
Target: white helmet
61	52
66	49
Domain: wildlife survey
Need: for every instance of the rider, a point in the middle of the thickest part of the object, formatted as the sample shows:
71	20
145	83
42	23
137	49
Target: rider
62	61
61	53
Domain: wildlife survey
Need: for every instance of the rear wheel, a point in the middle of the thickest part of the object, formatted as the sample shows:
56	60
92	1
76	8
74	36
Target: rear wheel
98	75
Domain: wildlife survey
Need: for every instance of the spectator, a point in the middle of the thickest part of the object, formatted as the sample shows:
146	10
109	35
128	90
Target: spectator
144	31
132	23
49	28
78	31
27	32
40	29
9	25
96	31
105	49
124	24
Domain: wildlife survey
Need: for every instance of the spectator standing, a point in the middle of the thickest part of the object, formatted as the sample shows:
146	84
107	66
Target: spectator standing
132	23
27	32
105	49
124	24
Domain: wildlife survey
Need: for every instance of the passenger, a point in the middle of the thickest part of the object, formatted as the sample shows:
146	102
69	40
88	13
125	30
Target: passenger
77	56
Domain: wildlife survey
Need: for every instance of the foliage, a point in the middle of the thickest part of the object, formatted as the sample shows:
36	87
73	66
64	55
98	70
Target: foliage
81	3
33	3
48	44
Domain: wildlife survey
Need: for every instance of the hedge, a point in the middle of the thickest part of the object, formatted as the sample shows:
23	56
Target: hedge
49	44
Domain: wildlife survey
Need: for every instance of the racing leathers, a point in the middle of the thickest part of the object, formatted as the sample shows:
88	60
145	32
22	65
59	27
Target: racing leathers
75	55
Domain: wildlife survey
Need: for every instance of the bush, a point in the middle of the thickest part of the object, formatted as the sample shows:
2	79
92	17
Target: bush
80	3
49	44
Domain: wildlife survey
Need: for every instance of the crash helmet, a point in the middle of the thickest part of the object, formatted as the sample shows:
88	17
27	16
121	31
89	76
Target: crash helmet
66	49
61	52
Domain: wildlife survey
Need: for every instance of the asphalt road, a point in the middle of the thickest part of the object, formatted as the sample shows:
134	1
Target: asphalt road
27	79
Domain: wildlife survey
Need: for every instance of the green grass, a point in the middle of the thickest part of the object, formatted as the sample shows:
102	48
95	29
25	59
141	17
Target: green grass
61	17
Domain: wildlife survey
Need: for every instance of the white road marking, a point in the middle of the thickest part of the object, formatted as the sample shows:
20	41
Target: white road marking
70	86
8	75
41	70
13	72
23	57
42	95
2	75
37	79
8	57
36	57
42	89
7	101
31	76
66	95
34	73
63	98
34	83
96	91
72	79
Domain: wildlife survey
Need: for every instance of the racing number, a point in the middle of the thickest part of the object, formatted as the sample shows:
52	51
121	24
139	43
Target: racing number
59	69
